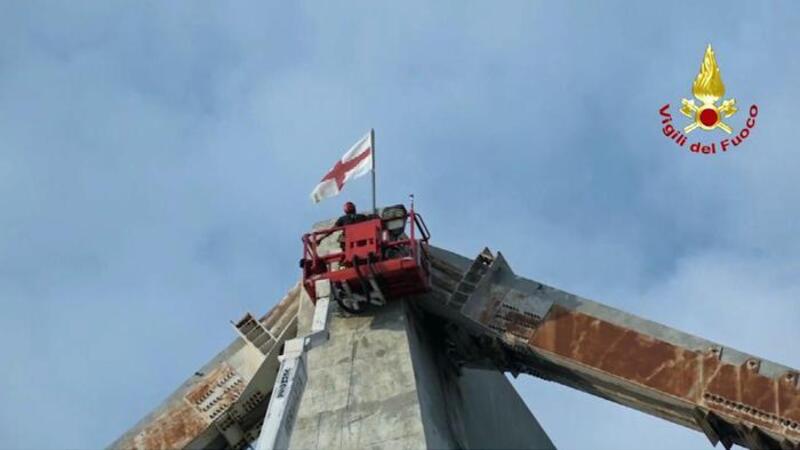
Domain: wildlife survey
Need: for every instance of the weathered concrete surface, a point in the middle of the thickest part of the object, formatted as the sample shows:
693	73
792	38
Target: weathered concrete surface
382	381
464	407
361	390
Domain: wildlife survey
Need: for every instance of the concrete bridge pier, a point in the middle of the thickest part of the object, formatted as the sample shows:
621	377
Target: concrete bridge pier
383	381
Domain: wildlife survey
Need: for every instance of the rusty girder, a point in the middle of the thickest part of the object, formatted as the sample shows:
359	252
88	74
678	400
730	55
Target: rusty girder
223	403
731	396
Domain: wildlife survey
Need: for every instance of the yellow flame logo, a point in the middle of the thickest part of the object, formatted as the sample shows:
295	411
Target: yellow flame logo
708	88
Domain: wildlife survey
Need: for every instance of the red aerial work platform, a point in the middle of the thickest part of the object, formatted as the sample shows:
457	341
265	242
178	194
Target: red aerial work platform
377	259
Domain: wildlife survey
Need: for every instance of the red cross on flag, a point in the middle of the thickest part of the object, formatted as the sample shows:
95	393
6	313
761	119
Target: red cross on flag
356	162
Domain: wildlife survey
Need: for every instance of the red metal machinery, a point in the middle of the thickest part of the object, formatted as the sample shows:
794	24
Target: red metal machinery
376	259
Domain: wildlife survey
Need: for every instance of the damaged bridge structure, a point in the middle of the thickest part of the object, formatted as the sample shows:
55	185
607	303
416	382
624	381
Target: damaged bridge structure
427	370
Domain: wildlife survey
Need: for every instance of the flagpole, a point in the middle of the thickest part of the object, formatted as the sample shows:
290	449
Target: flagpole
372	142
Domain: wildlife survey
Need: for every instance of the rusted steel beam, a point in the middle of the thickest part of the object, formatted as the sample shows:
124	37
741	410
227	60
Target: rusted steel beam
736	392
730	396
222	404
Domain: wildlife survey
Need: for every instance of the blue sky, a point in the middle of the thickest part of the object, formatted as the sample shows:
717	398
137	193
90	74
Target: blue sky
156	160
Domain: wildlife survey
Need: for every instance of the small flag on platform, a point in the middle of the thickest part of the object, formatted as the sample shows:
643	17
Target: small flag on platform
356	162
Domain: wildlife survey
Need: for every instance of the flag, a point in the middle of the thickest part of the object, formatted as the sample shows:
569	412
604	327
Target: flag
355	163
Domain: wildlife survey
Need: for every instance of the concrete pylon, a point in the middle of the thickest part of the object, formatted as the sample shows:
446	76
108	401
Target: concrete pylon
384	381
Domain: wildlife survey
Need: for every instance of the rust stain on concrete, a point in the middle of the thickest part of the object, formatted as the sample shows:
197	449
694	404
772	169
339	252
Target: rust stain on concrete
734	392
